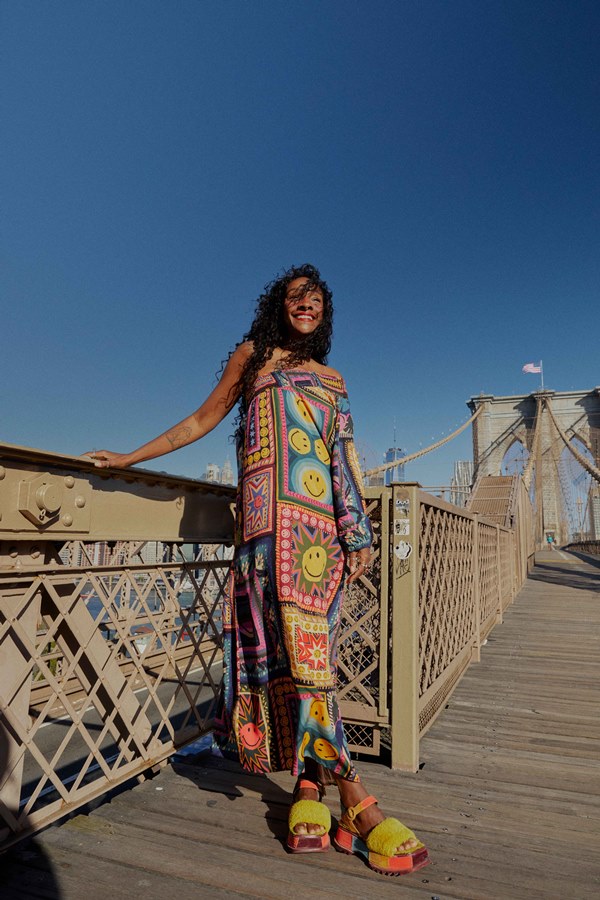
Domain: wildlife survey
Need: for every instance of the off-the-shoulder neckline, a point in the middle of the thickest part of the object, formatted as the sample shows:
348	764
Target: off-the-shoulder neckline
336	377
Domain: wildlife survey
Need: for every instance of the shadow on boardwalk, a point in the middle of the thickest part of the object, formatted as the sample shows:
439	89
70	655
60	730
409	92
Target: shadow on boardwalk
559	567
507	798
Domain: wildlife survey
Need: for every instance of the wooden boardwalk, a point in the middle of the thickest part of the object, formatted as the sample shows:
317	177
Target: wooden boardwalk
507	798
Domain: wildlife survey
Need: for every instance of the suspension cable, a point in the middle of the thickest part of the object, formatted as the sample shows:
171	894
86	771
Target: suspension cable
404	459
585	463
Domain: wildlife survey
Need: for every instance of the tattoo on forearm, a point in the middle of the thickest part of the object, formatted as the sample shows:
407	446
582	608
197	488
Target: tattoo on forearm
178	437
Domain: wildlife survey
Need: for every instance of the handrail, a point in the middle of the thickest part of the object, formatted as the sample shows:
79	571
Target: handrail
51	496
36	458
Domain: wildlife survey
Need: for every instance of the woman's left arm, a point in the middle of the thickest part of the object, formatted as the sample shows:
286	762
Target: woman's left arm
354	527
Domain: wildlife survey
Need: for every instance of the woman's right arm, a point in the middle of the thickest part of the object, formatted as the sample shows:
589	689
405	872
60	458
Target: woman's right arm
213	410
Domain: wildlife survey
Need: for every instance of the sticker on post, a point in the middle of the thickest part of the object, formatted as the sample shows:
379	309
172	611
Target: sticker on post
402	549
402	527
402	504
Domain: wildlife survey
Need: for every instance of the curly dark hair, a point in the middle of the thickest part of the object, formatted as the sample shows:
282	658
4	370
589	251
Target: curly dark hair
268	329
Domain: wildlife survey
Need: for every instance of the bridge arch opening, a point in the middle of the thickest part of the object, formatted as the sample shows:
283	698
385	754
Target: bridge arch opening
578	488
515	459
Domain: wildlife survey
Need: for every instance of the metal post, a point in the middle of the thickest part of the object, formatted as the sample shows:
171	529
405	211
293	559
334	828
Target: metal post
476	652
513	564
404	670
499	614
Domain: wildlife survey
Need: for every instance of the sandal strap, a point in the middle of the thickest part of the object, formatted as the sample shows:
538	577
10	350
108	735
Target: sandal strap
309	784
353	811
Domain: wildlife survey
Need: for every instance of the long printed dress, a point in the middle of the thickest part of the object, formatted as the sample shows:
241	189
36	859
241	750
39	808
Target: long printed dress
300	508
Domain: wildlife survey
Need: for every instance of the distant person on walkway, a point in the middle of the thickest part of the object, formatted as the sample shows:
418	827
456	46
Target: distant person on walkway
301	533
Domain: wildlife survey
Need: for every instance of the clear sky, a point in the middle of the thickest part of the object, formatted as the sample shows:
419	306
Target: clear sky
160	161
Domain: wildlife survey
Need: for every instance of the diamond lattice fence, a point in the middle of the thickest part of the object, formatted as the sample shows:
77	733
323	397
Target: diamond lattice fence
112	667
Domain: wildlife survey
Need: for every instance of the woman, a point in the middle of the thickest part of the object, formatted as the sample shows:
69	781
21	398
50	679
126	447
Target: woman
300	525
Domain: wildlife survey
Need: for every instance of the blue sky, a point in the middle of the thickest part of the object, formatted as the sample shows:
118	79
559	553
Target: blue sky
162	160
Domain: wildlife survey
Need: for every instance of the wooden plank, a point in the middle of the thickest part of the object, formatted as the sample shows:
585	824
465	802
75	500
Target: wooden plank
86	875
199	861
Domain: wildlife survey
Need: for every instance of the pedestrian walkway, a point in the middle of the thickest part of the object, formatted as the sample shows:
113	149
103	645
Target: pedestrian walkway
507	797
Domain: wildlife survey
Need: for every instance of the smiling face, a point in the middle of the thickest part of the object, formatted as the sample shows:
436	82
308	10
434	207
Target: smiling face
313	563
325	750
321	451
319	711
299	441
303	410
303	745
314	484
302	308
250	735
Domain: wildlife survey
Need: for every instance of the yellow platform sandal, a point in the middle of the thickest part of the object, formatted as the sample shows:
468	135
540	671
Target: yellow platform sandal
378	848
309	812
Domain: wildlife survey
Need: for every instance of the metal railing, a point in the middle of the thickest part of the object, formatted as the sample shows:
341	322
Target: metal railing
442	579
591	547
111	585
110	636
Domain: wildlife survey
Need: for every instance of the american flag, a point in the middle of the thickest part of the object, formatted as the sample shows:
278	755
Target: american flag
532	369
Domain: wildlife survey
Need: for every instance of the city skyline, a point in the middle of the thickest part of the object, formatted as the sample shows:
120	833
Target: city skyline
222	474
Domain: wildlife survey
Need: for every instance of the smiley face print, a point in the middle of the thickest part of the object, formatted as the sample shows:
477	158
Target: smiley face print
250	735
321	451
319	711
299	441
314	484
325	750
303	413
311	480
303	745
303	410
314	562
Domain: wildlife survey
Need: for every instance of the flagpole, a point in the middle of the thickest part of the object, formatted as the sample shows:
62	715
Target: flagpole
542	372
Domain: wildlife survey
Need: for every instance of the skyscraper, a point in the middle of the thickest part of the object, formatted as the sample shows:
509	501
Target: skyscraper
213	473
397	472
227	473
462	481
